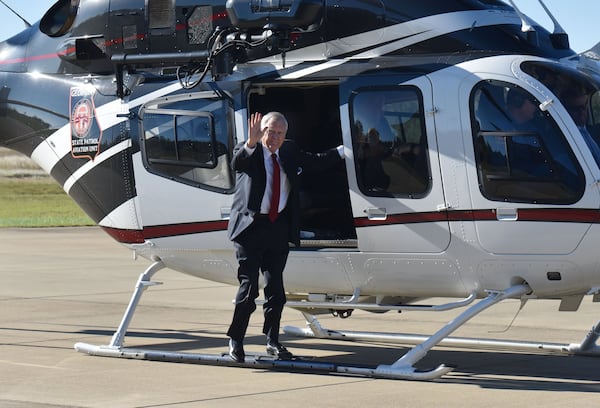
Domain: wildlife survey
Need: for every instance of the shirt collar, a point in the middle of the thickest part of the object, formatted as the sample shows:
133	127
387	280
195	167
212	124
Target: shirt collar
267	152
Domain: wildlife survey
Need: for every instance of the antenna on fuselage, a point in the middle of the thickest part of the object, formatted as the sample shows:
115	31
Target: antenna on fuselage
525	26
559	37
16	14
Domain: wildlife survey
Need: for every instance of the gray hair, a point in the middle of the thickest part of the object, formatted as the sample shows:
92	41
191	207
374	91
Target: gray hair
273	116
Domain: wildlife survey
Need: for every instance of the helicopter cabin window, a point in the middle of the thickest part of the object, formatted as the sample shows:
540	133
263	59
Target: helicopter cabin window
520	152
186	139
390	143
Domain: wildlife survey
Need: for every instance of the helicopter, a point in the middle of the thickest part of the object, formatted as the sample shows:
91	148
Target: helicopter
134	107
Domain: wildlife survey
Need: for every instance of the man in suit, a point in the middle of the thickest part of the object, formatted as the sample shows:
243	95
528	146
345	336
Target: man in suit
265	216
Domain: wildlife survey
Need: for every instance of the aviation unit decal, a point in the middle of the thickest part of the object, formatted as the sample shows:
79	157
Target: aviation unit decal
85	130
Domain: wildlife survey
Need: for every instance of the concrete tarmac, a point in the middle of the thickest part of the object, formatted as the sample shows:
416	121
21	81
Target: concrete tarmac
60	286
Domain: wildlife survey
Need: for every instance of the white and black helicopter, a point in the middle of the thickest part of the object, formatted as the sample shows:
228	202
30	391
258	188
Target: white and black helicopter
134	106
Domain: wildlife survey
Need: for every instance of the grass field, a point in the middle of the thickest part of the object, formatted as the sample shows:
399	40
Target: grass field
37	202
29	199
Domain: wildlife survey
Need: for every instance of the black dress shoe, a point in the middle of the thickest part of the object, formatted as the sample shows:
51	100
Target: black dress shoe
236	351
278	350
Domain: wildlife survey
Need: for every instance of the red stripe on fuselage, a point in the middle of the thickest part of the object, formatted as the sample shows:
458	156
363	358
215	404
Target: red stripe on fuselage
573	215
586	216
164	231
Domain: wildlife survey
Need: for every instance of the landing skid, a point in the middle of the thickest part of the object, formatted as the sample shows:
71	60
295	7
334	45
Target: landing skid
252	360
115	349
298	364
403	368
404	365
585	348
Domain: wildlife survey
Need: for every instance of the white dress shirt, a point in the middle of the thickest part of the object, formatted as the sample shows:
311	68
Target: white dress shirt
284	186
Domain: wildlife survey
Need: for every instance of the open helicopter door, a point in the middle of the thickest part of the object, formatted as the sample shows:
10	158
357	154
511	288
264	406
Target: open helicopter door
394	173
184	143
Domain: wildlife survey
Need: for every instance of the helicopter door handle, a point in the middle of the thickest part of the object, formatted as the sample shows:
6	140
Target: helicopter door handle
225	213
507	214
376	213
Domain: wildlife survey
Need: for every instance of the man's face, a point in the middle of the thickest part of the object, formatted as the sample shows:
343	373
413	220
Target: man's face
274	135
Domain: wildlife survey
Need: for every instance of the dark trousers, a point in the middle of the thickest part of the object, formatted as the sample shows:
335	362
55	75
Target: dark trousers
263	247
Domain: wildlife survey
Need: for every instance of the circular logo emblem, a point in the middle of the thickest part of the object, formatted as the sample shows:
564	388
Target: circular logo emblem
81	122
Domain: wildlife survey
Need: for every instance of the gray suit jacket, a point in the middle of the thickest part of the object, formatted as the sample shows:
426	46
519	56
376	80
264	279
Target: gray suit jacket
251	182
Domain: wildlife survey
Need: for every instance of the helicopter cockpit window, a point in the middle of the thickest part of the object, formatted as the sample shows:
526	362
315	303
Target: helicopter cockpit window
578	93
521	154
59	19
187	140
390	143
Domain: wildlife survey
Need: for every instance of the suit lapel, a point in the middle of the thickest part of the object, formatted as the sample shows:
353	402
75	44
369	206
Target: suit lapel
287	162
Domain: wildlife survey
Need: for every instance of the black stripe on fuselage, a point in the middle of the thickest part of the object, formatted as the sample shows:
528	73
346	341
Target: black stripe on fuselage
105	187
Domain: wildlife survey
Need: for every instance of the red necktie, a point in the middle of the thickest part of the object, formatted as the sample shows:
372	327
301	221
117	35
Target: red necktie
274	208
